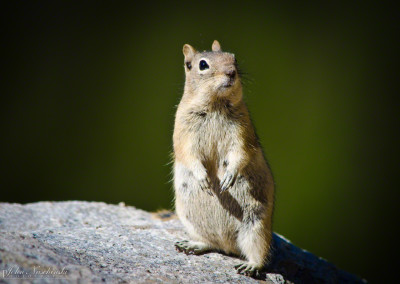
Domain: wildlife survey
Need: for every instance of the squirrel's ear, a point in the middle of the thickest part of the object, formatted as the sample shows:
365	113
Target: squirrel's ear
216	46
189	52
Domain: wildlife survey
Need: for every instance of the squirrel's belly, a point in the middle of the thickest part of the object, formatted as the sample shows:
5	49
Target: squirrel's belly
207	221
207	218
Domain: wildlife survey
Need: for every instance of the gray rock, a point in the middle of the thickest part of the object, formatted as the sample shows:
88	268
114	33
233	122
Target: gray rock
92	242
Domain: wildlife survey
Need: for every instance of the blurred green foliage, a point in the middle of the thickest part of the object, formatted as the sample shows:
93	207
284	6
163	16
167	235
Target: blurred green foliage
90	90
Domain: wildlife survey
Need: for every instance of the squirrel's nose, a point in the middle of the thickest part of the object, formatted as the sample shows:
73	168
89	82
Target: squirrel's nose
231	74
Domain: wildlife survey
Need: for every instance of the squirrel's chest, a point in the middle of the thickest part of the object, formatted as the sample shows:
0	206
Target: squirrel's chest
211	131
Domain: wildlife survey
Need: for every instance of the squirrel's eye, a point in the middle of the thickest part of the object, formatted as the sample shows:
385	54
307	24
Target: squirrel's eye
203	65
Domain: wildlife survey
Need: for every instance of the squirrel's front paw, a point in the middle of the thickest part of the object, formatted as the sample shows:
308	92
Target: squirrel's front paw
205	184
203	179
228	180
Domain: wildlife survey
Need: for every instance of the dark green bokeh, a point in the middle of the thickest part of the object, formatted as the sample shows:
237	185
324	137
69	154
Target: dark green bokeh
90	89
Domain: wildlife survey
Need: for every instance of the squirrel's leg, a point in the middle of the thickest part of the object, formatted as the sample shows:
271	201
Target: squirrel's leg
254	244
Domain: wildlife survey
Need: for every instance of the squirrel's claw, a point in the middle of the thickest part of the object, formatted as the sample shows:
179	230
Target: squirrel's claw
248	269
227	181
205	183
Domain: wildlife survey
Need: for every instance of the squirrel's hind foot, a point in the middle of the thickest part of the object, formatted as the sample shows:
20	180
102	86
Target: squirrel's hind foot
191	247
248	269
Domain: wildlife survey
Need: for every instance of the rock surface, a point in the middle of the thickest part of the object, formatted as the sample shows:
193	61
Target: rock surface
92	242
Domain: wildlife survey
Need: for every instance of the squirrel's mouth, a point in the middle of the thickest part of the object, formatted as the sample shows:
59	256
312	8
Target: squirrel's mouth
228	83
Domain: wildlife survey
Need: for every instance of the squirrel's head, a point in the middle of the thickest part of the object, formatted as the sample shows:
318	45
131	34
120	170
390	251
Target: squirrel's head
212	73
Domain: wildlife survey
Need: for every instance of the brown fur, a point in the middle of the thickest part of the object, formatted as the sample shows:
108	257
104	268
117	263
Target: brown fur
215	145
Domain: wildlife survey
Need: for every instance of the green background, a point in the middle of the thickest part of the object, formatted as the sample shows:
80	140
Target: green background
89	93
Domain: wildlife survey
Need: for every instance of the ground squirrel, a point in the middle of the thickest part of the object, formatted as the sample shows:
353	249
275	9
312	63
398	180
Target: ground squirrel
224	189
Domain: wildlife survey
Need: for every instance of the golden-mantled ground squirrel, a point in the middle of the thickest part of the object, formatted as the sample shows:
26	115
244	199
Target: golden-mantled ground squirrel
224	189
